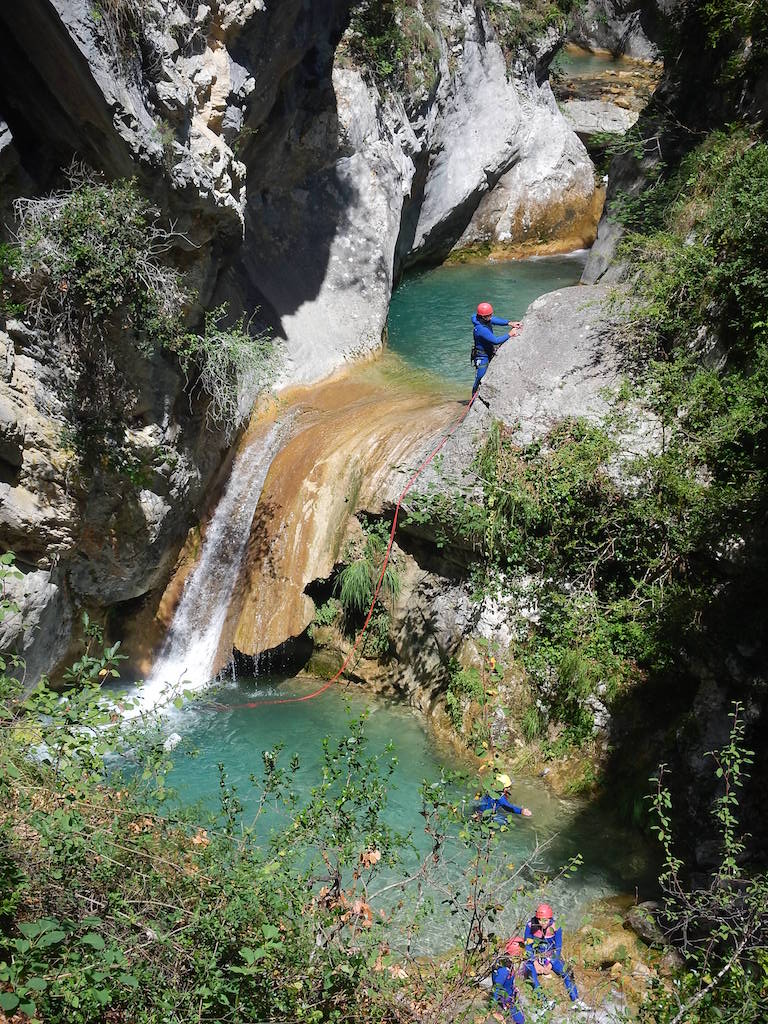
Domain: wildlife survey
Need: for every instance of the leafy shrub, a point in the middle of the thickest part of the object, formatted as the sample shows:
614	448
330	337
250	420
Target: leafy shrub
719	924
327	614
396	41
91	266
464	687
229	364
92	252
519	25
356	584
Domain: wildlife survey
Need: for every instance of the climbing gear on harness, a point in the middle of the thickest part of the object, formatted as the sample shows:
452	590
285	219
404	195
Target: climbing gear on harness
485	309
387	555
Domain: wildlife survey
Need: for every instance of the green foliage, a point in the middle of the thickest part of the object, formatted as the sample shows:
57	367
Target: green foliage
396	41
93	252
729	24
464	687
532	723
115	907
230	364
719	928
619	556
92	668
90	266
519	25
326	614
357	582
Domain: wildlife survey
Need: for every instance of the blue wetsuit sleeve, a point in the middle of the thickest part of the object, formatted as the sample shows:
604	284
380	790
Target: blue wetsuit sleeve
486	334
498	322
559	942
503	802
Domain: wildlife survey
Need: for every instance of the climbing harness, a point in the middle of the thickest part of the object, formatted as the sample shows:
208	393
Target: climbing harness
385	563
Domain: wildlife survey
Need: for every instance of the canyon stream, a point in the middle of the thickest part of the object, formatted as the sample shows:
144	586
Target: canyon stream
248	594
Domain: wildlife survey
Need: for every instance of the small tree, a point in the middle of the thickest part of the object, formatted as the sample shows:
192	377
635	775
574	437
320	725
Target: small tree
721	929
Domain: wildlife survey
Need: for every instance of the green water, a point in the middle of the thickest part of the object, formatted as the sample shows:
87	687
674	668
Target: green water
577	63
614	861
430	316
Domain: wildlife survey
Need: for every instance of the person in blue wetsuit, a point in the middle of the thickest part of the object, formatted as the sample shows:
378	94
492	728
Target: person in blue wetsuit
501	804
485	342
504	992
544	951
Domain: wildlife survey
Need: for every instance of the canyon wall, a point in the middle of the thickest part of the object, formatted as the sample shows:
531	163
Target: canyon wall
299	187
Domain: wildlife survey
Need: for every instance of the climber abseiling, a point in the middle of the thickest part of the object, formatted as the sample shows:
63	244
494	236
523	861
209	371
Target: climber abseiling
544	952
499	804
485	343
505	992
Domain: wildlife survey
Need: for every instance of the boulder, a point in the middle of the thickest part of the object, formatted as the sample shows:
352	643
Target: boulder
40	632
621	26
548	194
642	920
590	117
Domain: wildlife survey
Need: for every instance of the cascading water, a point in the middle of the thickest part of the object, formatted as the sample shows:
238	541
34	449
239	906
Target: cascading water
189	650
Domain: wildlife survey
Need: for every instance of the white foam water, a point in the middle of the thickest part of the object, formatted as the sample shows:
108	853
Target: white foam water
187	656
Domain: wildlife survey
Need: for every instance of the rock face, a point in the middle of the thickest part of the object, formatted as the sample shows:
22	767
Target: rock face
625	27
353	183
548	195
98	541
563	363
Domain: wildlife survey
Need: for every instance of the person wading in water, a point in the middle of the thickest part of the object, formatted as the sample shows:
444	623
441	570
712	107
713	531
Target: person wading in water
485	342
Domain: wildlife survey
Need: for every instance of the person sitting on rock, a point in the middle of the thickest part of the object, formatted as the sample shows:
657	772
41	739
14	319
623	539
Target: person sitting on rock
505	992
544	952
485	342
501	803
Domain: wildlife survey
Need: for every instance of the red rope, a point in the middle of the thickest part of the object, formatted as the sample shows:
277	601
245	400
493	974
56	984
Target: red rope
358	638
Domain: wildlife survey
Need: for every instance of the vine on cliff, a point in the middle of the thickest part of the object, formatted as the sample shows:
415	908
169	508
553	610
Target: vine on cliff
397	41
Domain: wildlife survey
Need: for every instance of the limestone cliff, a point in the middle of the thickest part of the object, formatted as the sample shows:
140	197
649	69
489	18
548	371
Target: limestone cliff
298	189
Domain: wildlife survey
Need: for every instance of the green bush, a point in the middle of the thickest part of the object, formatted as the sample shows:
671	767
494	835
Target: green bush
357	582
115	906
464	687
90	265
397	41
230	365
718	923
519	25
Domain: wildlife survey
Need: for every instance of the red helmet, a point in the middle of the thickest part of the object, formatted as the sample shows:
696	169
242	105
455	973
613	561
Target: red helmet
544	912
485	309
515	946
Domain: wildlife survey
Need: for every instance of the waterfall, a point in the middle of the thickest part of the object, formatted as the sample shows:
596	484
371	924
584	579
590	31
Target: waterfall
189	649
